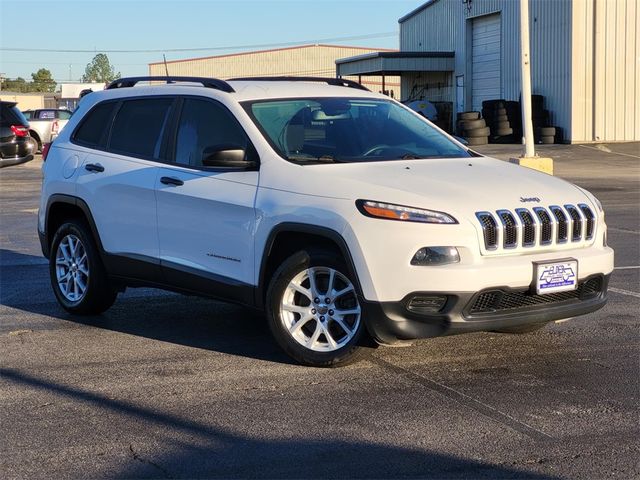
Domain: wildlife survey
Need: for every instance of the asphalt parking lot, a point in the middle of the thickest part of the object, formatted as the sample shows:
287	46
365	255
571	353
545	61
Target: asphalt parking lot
169	386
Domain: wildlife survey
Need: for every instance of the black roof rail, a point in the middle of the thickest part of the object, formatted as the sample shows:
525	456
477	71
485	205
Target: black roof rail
206	82
338	82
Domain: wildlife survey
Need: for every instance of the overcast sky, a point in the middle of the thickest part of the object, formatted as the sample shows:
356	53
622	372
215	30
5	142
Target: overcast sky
95	26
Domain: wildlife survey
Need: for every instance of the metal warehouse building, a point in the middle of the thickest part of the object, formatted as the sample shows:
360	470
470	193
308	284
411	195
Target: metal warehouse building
304	60
585	58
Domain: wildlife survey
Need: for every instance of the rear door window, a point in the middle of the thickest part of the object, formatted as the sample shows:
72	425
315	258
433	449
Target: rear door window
139	126
64	115
95	125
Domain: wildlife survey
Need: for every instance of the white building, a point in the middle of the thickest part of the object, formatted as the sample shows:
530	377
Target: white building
585	60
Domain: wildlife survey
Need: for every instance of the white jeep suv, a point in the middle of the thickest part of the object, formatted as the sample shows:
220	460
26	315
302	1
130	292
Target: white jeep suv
340	213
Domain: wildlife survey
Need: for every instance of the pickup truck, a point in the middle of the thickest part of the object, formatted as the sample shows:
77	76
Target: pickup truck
46	123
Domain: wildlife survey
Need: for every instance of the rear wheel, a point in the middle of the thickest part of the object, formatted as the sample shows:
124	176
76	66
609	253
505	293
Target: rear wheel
313	310
78	277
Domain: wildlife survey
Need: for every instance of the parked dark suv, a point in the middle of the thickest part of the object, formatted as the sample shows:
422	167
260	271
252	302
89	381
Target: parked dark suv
16	145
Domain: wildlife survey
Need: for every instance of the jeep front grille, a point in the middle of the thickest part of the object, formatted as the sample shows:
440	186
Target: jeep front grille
588	214
539	227
489	230
510	229
561	219
576	223
546	232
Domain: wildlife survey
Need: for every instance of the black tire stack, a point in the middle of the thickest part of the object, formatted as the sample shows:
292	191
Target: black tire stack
543	132
500	122
473	128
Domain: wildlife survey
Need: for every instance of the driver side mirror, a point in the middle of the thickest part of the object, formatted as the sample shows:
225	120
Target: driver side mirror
228	156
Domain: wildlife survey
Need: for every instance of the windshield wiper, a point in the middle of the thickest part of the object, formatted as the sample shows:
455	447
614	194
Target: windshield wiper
310	159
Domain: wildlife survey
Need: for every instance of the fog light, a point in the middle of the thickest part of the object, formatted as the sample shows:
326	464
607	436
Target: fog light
436	256
426	303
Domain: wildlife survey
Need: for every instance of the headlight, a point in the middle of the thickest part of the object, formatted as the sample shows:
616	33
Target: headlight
436	256
402	213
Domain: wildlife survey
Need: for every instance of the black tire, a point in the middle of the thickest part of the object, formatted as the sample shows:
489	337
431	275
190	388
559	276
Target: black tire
476	132
546	131
522	329
493	104
503	139
502	131
477	140
99	294
293	266
545	140
35	136
537	102
471	124
468	115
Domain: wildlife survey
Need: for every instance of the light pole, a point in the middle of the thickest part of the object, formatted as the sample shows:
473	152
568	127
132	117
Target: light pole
525	72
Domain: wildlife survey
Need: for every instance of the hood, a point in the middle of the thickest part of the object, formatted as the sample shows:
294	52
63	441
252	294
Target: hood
458	185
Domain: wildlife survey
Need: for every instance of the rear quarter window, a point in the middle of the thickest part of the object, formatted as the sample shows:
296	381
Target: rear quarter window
95	125
11	115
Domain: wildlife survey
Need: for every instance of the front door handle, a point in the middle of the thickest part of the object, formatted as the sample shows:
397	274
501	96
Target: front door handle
94	167
171	181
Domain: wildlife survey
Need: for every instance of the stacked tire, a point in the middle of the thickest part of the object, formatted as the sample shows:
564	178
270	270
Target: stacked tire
473	128
497	116
543	132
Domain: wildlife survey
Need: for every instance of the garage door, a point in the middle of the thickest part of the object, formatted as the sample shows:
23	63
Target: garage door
486	59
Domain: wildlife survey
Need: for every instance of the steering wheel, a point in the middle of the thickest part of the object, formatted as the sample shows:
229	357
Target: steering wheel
393	151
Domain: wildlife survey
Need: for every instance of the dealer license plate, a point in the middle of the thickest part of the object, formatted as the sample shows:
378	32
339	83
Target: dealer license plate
558	276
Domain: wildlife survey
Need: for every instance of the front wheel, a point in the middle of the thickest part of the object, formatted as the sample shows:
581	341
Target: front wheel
313	310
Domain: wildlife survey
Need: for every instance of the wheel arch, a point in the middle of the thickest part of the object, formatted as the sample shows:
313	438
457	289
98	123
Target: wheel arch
36	136
62	207
288	238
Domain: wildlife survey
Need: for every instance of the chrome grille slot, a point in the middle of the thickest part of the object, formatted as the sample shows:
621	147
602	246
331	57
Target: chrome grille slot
489	230
528	227
561	218
546	225
510	228
590	217
576	223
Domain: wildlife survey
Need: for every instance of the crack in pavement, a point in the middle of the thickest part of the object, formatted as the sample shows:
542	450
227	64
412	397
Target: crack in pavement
137	457
467	401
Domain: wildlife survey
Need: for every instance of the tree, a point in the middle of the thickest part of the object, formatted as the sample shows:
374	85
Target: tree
42	81
100	70
17	85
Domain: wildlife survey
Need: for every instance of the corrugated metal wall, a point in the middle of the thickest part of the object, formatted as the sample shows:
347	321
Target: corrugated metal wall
446	24
307	60
606	70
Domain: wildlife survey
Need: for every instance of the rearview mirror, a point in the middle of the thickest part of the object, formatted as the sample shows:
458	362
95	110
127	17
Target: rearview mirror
226	156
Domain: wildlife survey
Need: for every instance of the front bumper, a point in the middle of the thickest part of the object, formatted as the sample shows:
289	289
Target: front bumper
391	322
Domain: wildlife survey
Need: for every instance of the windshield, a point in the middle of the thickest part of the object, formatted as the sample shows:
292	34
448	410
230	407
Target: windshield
330	130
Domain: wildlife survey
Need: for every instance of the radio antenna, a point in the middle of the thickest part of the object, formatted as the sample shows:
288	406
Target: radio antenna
166	69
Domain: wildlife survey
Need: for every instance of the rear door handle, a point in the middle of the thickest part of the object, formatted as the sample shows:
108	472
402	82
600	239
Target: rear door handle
171	181
94	167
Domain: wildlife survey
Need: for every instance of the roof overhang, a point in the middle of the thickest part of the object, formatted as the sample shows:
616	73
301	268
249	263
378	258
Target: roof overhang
395	63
